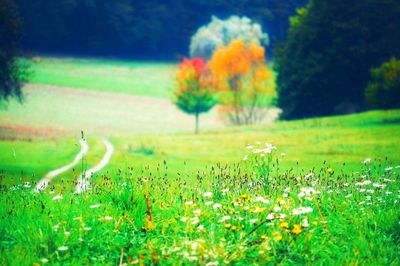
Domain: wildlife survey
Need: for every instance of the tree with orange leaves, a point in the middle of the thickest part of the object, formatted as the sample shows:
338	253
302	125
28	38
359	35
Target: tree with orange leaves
243	81
193	93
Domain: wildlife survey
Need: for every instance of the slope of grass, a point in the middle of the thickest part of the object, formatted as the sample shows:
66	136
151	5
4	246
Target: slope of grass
246	213
118	76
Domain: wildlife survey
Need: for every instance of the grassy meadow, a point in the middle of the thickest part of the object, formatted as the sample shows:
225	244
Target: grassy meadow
114	76
321	191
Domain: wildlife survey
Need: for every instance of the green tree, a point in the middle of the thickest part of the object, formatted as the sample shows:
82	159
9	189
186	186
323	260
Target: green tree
323	68
193	95
11	70
383	90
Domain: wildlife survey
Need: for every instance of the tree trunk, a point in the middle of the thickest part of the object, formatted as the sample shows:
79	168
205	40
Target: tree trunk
197	124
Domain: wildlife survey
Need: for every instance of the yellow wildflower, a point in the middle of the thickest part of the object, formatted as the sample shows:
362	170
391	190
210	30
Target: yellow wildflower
284	225
296	229
277	236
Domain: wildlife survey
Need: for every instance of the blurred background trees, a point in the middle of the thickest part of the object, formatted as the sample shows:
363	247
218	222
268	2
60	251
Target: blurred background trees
222	32
383	90
147	29
323	68
12	72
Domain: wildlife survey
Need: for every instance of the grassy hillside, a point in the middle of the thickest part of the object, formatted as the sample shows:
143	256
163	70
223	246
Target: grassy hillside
216	208
342	142
107	75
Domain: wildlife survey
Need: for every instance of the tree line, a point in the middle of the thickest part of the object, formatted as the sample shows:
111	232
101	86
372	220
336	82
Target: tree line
149	29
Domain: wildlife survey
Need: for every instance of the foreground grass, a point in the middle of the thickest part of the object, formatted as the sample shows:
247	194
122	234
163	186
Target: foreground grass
187	199
250	212
118	76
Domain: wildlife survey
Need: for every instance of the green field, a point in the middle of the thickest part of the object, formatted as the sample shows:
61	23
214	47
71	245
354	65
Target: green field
203	207
328	195
136	78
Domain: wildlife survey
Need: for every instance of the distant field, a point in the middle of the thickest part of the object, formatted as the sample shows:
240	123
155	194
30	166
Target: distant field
64	111
154	79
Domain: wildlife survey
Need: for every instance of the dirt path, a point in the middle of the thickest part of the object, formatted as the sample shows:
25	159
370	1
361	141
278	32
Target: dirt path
84	180
45	181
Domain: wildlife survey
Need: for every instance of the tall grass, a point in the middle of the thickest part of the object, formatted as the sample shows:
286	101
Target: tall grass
250	212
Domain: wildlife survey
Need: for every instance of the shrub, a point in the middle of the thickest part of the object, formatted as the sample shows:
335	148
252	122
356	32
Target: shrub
383	90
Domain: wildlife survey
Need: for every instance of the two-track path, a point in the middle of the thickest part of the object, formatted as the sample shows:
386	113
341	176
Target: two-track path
84	179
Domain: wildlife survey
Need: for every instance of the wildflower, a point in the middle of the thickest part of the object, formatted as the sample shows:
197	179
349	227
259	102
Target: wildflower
225	190
245	158
195	220
377	185
95	206
302	210
200	227
225	218
108	218
348	196
284	225
58	197
212	263
388	169
183	219
217	205
283	154
87	228
234	228
282	216
264	237
270	216
245	196
207	194
44	260
308	175
366	161
277	236
227	225
27	185
252	221
305	222
197	212
208	203
189	203
67	233
249	147
296	229
63	248
314	223
277	209
370	191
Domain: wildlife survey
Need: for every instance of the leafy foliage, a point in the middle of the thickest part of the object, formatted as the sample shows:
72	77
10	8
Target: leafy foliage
146	29
323	68
243	80
193	93
383	91
222	32
11	72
